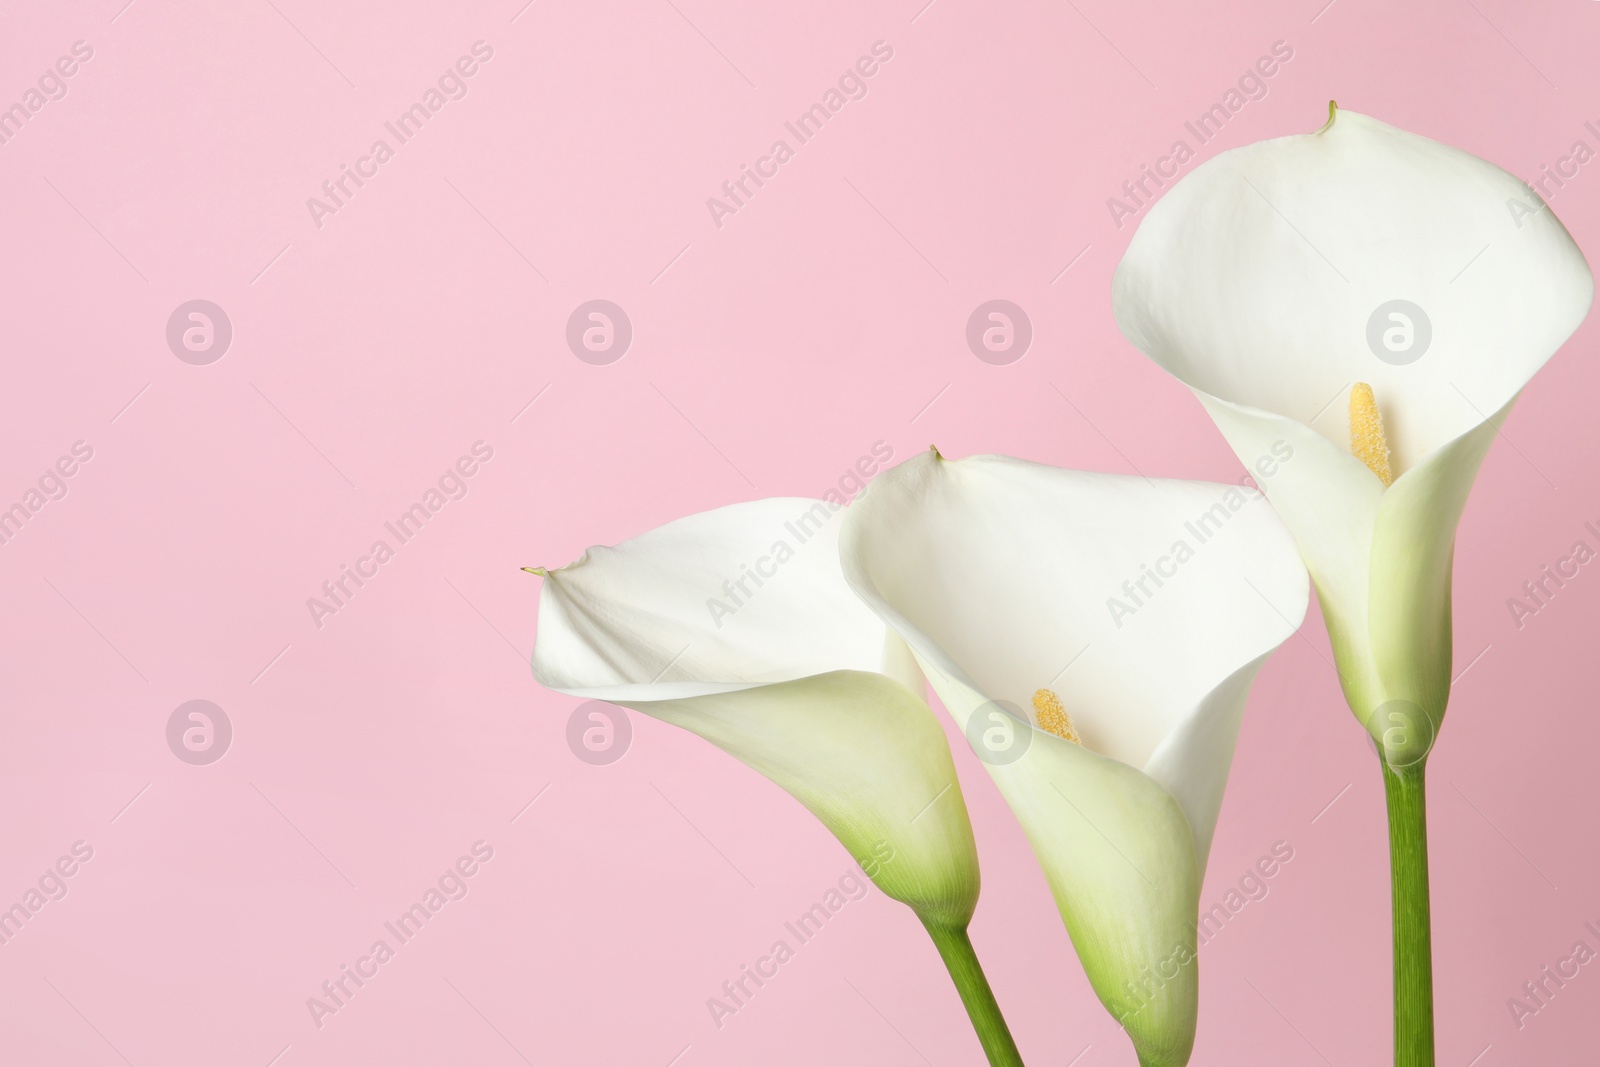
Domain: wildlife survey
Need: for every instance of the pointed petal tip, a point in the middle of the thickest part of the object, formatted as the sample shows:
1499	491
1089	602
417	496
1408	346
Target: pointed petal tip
1333	112
935	450
540	571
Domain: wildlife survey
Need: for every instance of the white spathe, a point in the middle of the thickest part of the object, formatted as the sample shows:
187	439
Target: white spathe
736	624
1254	281
1006	577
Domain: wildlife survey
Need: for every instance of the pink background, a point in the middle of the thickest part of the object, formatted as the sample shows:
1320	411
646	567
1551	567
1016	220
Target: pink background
769	353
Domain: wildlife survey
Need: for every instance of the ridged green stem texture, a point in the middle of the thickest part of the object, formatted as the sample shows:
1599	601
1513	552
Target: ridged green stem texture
955	948
1413	943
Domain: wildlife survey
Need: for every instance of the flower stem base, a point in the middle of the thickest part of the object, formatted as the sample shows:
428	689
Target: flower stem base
1413	943
955	948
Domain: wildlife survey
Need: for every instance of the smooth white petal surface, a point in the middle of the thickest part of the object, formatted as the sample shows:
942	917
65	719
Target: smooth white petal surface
792	676
662	615
1006	577
1254	278
1330	502
1257	279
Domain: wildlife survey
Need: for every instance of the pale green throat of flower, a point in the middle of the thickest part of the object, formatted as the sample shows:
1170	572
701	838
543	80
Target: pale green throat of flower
1367	440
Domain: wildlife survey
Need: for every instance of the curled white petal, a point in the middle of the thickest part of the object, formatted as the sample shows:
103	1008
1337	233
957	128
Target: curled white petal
1276	275
737	625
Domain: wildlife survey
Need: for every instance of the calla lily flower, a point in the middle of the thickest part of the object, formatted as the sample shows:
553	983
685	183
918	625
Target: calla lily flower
1377	300
736	624
1095	636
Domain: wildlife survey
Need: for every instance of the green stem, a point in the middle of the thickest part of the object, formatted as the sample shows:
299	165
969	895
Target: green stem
955	948
1413	946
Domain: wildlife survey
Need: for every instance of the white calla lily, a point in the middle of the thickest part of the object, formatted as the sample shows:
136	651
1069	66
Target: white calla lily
1132	615
1428	286
737	625
793	677
1323	288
